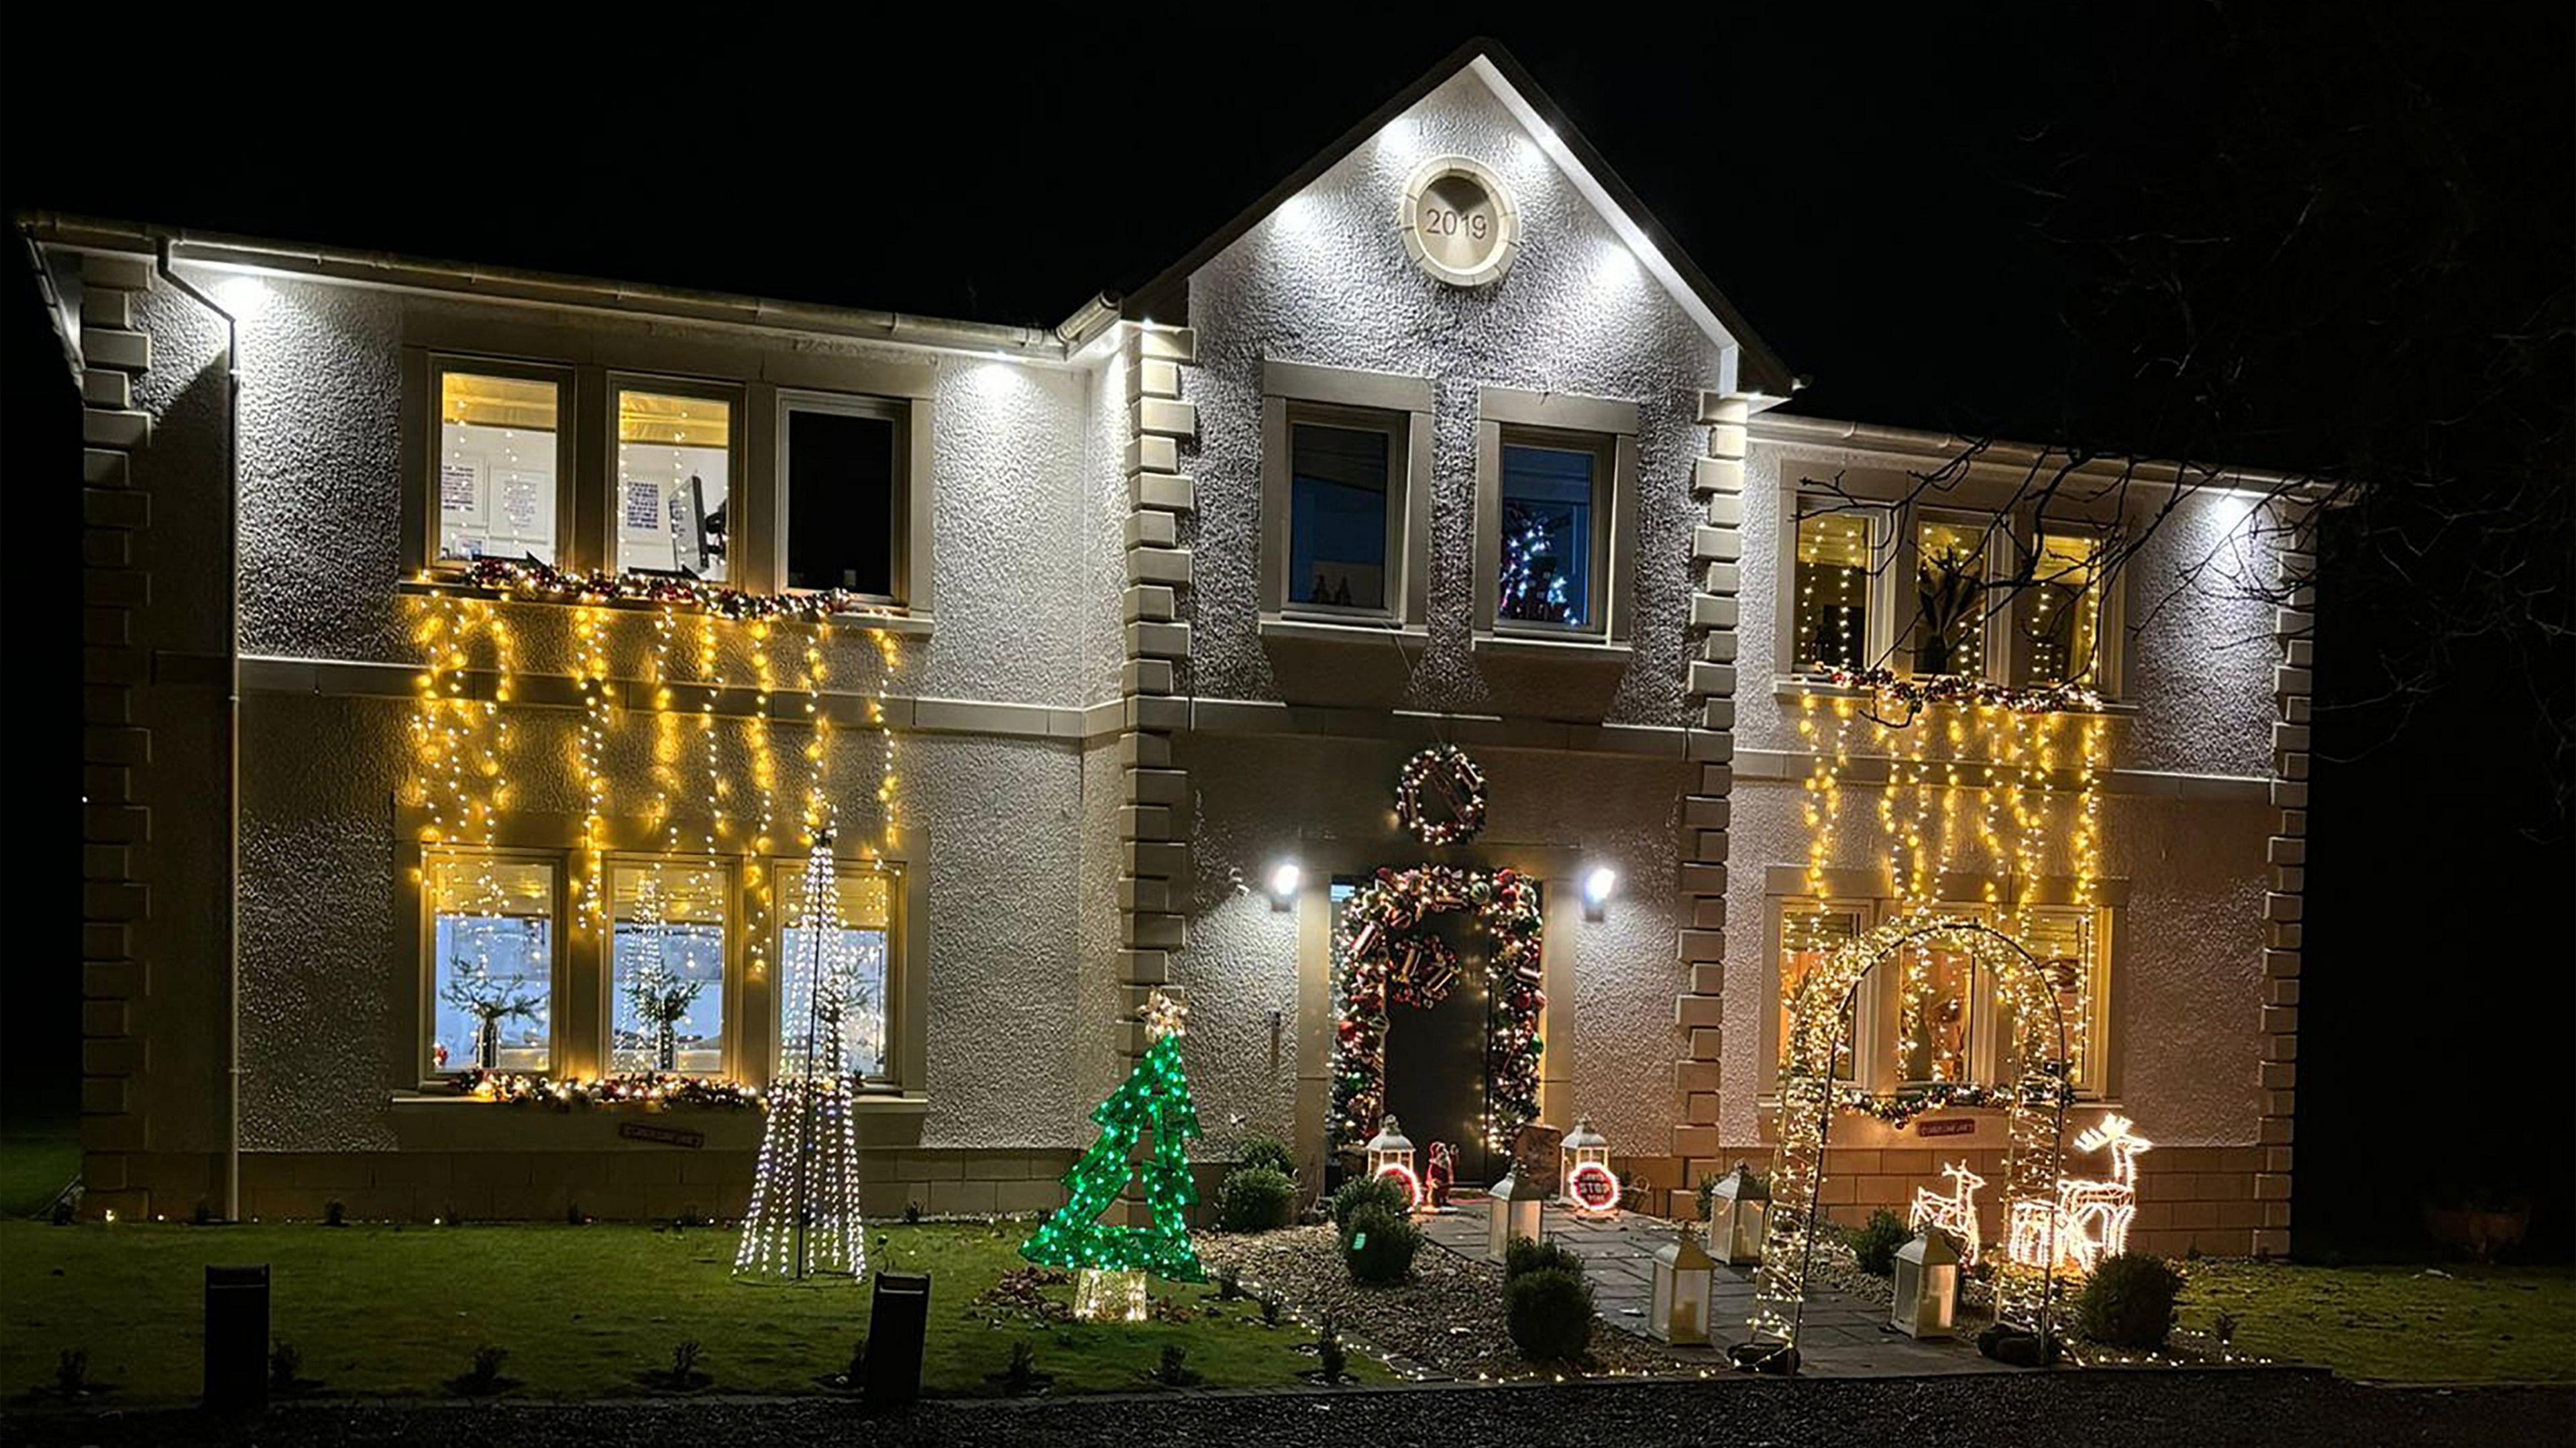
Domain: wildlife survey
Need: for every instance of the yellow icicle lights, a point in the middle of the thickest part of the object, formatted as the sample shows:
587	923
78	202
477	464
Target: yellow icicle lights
589	747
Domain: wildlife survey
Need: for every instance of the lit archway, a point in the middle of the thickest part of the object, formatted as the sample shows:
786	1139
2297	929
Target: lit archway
2035	1102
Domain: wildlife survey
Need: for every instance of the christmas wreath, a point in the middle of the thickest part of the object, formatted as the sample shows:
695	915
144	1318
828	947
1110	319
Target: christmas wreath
1457	780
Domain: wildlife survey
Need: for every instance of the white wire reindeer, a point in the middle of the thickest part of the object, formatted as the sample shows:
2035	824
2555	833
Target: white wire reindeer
1955	1214
2090	1219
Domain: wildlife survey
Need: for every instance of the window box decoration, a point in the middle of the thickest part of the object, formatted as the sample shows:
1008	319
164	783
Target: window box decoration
1927	1286
1739	1210
1684	1277
1591	1187
1390	1154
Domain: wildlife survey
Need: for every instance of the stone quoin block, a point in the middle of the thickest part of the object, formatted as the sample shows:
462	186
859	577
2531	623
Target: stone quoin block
1718	647
1168	566
1711	611
1150	529
1152	455
1717	715
1158	786
1150	603
1146	676
1168	491
1145	751
116	347
1158	640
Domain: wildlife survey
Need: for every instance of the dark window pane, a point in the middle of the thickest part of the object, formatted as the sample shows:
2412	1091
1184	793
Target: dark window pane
1547	535
1832	580
1337	500
840	502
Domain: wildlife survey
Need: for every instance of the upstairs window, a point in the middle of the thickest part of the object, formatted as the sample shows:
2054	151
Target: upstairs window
1950	596
1344	525
675	475
845	495
499	451
1554	545
1831	614
667	970
491	962
2061	614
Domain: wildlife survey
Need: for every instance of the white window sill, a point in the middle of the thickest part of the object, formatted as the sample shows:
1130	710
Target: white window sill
1362	632
1566	650
1798	686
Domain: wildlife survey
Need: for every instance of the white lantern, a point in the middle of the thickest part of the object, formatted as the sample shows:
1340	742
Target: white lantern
1927	1286
1590	1186
1683	1280
1515	1214
1739	1212
1390	1153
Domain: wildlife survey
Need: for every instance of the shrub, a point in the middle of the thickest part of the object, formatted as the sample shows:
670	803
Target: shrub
1874	1246
484	1377
71	1371
912	1211
1329	1354
1264	1151
857	1372
1229	1284
285	1365
684	1361
2129	1302
1549	1312
335	1213
1361	1192
1524	1255
1022	1373
1271	1308
1173	1368
1379	1245
1256	1199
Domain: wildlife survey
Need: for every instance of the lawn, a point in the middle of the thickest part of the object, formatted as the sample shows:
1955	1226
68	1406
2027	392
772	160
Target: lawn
36	1163
582	1311
2396	1324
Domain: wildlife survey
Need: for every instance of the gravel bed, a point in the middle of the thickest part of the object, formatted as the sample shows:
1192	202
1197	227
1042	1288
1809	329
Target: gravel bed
1448	1318
2255	1409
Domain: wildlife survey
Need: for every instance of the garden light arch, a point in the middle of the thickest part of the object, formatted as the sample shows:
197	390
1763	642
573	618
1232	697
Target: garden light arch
2035	1102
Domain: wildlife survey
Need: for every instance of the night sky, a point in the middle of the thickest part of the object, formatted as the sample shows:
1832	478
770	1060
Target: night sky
2337	242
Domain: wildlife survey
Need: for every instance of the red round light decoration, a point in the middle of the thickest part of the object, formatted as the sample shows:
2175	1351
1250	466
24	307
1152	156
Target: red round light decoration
1593	1185
1405	1178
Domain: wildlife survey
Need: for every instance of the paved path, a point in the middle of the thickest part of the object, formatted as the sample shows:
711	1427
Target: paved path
1841	1335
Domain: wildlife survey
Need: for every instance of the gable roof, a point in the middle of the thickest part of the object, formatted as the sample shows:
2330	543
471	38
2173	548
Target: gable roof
1758	368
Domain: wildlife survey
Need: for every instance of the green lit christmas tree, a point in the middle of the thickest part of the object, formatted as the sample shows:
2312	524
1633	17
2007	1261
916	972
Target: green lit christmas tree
1114	1260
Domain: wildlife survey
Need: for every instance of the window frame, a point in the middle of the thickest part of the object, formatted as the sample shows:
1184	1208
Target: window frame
1294	392
735	396
1866	1043
1878	627
437	364
1517	416
2013	535
907	1004
727	869
907	528
425	950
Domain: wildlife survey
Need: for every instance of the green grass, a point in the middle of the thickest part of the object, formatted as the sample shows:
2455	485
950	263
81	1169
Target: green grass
34	1166
581	1310
2480	1324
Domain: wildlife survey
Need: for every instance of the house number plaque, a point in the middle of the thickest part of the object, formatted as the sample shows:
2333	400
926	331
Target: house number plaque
1459	223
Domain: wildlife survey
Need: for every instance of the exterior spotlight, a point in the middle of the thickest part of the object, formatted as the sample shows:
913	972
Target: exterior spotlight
1596	891
1284	879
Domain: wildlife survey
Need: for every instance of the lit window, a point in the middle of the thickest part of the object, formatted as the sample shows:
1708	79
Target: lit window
1950	597
1807	936
845	500
2066	944
674	480
1831	618
2062	617
666	982
862	933
1553	538
1343	514
496	466
492	954
1935	1013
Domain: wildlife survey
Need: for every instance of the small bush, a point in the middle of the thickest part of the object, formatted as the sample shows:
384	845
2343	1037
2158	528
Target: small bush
1229	1284
1329	1353
1549	1312
684	1361
1524	1255
1021	1374
1379	1245
574	1216
2129	1302
201	1215
335	1213
1271	1309
1173	1368
285	1365
71	1371
1256	1199
2223	1328
1874	1245
1370	1191
857	1372
912	1211
1264	1151
483	1378
63	1211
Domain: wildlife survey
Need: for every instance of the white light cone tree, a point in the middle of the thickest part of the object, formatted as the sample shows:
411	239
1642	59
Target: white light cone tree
804	1218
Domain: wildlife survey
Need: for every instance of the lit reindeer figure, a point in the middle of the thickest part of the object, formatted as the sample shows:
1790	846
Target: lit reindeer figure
2090	1219
1955	1214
